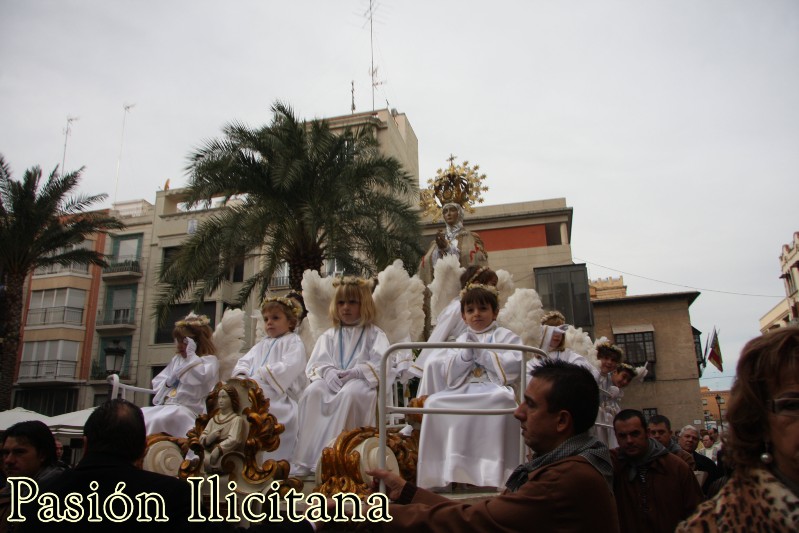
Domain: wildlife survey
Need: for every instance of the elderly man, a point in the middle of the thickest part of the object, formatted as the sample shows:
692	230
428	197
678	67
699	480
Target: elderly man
654	489
659	428
565	487
689	440
27	450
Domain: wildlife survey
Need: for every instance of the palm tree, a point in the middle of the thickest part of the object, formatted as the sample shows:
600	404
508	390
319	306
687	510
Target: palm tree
39	225
294	192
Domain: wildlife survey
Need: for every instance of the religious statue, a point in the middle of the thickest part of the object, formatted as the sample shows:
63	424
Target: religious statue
226	431
459	186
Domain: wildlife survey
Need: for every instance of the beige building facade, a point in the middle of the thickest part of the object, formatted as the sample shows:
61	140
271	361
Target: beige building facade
655	329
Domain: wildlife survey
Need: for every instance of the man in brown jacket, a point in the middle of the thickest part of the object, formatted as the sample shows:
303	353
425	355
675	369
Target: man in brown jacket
654	488
565	487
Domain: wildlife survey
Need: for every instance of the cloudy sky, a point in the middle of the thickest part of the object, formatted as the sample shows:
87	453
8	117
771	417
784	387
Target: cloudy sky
671	126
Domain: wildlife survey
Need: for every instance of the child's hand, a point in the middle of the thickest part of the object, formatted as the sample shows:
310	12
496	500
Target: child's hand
332	380
349	375
191	346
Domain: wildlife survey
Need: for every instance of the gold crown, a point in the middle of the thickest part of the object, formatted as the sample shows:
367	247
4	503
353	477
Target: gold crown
351	280
193	320
295	307
469	286
461	184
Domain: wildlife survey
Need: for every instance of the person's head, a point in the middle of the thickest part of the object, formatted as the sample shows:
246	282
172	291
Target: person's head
554	337
659	428
479	306
561	400
707	441
553	318
609	356
299	300
452	213
479	275
763	409
280	315
352	305
630	428
116	428
714	435
27	447
59	450
227	399
197	328
689	438
623	375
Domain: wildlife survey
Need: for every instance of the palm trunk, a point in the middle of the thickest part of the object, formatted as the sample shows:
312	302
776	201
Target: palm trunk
11	337
298	267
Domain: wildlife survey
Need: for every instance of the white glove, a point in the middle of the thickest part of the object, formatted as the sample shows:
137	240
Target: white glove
467	355
191	346
349	375
614	392
471	336
172	382
332	380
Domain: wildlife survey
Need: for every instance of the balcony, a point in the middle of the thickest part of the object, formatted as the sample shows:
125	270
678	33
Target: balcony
279	282
47	371
116	321
72	316
122	268
52	270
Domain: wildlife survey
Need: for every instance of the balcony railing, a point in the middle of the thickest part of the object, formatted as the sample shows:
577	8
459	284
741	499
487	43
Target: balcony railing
47	369
55	315
116	316
123	263
279	281
61	269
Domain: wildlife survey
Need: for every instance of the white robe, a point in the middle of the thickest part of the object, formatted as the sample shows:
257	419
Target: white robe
324	414
178	404
482	450
608	408
432	363
277	366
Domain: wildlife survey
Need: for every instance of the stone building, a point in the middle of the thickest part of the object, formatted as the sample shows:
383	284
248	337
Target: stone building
655	329
786	312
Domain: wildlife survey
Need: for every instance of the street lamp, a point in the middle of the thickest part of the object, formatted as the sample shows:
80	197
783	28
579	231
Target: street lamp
718	403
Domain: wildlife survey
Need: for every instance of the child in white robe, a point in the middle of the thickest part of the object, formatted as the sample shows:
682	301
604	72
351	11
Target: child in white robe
609	357
479	450
276	363
432	363
553	342
181	388
343	370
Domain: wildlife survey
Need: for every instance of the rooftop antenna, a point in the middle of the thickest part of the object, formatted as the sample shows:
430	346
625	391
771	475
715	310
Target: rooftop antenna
353	96
67	131
126	108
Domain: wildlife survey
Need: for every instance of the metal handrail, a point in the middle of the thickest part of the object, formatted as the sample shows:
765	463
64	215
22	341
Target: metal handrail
381	396
118	388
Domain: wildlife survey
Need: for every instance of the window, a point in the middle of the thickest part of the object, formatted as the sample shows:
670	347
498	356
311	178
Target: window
66	269
120	305
639	349
565	288
56	306
163	334
237	272
50	402
167	254
127	248
704	401
48	359
649	412
280	278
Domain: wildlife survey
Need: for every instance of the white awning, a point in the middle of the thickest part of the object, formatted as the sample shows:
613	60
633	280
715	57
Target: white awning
640	328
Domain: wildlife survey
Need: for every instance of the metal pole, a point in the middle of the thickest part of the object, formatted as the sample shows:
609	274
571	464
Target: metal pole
67	131
126	108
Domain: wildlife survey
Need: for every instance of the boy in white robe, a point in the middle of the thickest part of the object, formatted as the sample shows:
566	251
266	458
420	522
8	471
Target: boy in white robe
480	450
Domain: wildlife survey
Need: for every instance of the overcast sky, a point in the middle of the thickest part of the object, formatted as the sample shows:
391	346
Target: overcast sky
671	127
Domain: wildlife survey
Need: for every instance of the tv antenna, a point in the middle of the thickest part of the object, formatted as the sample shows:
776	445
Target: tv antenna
126	108
67	131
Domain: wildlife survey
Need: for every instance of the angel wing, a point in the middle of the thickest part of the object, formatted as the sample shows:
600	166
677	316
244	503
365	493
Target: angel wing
505	286
522	315
391	302
317	293
415	294
446	283
580	342
229	338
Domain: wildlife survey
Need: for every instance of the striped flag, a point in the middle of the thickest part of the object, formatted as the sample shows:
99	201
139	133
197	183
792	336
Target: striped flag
713	351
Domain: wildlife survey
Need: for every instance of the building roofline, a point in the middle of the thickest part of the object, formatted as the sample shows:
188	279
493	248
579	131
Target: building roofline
690	296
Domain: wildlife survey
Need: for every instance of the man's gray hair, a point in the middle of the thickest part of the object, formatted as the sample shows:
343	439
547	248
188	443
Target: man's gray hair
687	427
